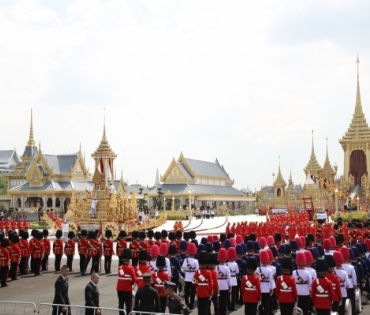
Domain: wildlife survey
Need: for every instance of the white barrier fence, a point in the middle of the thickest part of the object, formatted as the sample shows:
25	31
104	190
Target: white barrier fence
47	308
17	307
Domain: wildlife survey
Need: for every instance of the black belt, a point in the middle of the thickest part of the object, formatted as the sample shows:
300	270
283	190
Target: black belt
222	278
302	283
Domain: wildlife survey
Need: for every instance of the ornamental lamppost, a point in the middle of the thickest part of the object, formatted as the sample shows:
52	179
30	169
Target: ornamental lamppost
190	212
173	203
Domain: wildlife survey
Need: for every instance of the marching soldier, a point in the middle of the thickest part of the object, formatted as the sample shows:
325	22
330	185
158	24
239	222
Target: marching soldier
286	289
25	253
212	257
175	264
37	253
322	290
203	281
57	249
4	262
251	288
158	279
142	268
69	249
154	253
93	252
32	243
337	294
189	266
343	279
108	251
47	247
126	279
224	280
303	281
121	245
347	267
150	241
134	247
82	251
15	255
267	282
234	273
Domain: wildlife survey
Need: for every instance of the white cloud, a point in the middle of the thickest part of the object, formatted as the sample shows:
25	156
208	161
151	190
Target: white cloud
238	80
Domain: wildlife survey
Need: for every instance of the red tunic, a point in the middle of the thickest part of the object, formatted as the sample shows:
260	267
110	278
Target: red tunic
32	243
158	279
82	246
4	257
57	247
322	300
38	250
140	270
337	293
214	281
126	278
286	289
251	288
47	246
203	281
121	245
108	248
25	248
69	248
15	253
134	246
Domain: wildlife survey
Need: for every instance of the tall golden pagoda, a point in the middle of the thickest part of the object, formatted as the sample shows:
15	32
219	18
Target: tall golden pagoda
279	190
356	148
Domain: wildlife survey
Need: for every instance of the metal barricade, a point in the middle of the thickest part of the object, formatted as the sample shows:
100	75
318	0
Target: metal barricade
17	308
148	313
46	308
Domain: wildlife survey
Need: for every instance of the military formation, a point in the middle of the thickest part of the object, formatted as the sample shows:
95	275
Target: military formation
262	272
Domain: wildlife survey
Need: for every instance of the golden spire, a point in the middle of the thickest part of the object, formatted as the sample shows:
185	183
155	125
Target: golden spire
358	129
327	169
279	178
104	149
313	166
31	141
358	109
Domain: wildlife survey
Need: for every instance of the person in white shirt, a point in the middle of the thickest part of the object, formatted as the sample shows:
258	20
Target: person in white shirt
65	230
343	279
234	272
347	267
94	205
267	282
189	267
303	280
224	280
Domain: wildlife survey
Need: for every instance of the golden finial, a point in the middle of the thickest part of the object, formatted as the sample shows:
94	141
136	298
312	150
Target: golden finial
104	134
358	95
31	141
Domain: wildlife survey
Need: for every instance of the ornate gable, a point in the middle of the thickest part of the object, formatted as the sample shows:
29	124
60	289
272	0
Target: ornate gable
174	174
35	176
79	169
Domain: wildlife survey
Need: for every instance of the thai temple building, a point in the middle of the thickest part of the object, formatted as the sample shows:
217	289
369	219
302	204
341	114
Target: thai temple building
199	184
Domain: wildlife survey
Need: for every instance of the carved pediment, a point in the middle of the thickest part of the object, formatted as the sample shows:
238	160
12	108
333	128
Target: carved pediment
174	174
35	177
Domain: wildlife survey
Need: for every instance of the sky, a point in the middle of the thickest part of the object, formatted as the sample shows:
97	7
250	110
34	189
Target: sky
245	82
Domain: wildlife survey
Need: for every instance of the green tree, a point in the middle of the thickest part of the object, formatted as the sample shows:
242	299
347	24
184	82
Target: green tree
3	185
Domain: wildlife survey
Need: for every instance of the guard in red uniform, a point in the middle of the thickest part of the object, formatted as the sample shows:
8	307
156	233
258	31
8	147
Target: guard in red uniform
82	250
25	253
286	289
150	241
134	247
121	245
251	288
47	248
25	225
108	251
203	281
212	262
20	226
2	224
142	242
32	243
58	249
142	268
4	262
92	252
158	279
69	249
337	294
322	289
126	279
7	226
13	225
157	237
37	253
15	255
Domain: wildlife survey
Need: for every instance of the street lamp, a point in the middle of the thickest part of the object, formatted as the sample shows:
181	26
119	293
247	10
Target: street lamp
164	203
173	203
273	179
